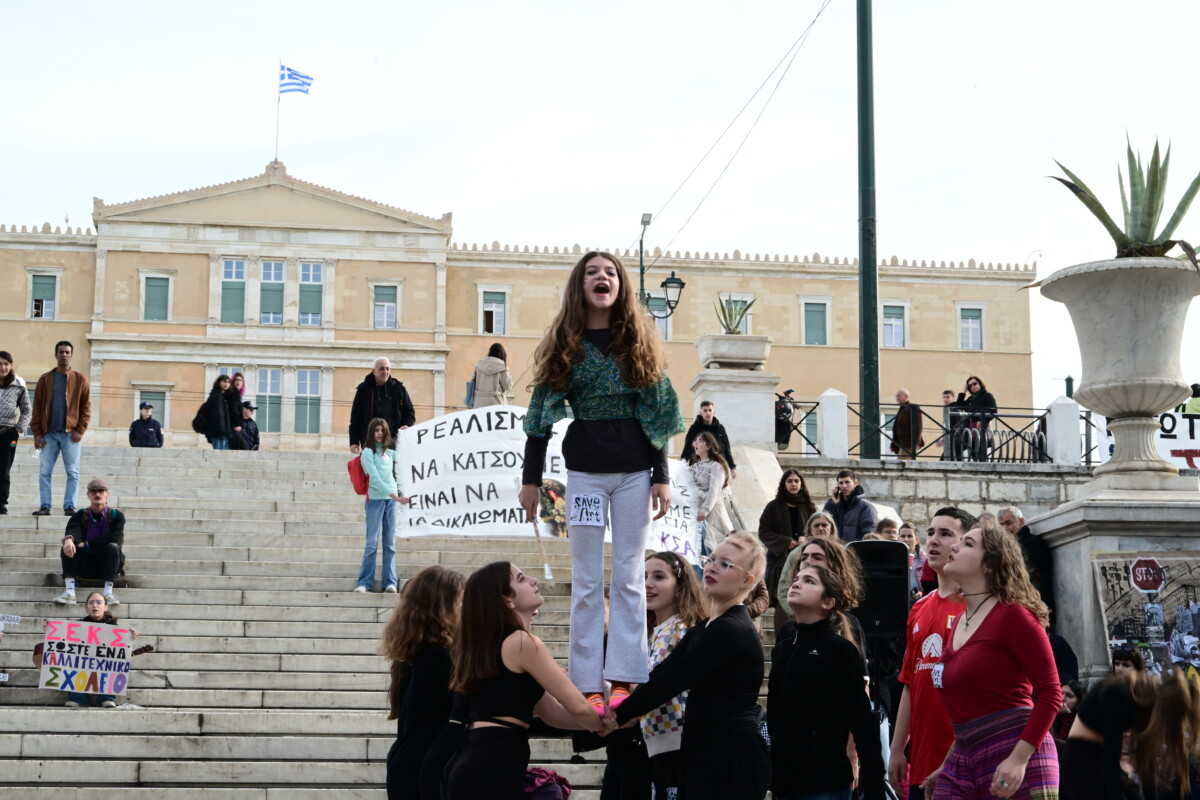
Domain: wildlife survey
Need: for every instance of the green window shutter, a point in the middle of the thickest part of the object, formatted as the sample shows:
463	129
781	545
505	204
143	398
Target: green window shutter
494	297
269	409
270	298
814	323
156	399
310	298
157	293
43	287
308	415
385	294
893	312
971	313
233	302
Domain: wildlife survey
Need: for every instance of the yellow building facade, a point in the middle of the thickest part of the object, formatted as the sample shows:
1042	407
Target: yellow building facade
301	287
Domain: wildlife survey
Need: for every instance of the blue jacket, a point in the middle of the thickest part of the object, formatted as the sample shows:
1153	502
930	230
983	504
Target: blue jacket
145	433
378	467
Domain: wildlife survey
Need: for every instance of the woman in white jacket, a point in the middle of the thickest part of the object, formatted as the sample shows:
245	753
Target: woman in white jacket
492	380
710	473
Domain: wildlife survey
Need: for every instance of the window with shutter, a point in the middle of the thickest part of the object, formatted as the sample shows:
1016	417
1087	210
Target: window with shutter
45	295
158	292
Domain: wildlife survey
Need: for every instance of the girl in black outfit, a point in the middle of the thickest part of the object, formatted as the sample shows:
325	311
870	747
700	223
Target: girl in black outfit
508	676
1163	720
980	406
417	641
781	528
218	427
720	662
817	697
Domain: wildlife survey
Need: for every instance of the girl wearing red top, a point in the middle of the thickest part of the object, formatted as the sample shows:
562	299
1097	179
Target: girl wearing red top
998	662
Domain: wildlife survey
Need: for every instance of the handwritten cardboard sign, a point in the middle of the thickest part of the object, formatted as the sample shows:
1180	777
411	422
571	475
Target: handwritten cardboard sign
86	657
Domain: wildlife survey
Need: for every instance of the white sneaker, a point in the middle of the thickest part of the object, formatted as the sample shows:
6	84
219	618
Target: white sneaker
65	599
108	704
71	704
112	600
360	589
390	589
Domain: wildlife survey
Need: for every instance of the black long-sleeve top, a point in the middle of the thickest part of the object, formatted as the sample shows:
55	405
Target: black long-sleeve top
816	697
424	710
720	662
1109	710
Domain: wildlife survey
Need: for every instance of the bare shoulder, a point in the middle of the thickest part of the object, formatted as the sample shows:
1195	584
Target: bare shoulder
519	650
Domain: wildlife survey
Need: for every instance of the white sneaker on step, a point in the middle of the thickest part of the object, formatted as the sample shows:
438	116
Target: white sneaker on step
66	598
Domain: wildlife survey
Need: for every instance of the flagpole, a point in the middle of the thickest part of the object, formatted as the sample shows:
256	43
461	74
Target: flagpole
278	95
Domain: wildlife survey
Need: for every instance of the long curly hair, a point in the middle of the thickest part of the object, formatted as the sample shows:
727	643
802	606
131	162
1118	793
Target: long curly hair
845	597
843	562
426	613
635	339
690	605
714	454
486	621
1004	564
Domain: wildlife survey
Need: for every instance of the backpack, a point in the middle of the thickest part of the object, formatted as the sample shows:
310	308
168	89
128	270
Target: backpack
358	477
469	399
200	421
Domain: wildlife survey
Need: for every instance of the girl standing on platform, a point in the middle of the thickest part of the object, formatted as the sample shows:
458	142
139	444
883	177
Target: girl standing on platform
816	697
997	677
673	606
417	641
781	529
720	662
378	462
508	677
602	355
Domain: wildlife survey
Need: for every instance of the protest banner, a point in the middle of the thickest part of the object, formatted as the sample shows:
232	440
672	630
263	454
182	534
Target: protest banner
1151	601
86	657
462	472
1177	440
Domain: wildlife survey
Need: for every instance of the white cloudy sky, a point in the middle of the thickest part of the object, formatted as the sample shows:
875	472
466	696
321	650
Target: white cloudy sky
541	122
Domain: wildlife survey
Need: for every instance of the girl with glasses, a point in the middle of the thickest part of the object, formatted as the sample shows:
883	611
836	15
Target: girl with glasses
817	699
720	663
602	355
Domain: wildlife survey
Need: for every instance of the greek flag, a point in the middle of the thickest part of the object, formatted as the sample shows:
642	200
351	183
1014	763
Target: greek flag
292	81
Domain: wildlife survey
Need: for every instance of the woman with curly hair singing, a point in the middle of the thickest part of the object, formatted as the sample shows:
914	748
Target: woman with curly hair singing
997	676
601	354
417	641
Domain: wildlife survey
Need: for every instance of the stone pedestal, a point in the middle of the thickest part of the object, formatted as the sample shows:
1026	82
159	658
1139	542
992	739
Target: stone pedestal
1115	513
745	403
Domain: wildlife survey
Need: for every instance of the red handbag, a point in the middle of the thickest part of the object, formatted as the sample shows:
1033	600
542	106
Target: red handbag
358	478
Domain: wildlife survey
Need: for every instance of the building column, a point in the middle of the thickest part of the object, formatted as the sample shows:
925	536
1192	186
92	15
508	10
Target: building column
215	276
328	297
439	392
291	292
287	405
98	299
95	378
439	321
253	295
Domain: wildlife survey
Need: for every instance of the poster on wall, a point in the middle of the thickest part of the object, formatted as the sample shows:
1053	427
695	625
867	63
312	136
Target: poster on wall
462	472
1151	601
1177	440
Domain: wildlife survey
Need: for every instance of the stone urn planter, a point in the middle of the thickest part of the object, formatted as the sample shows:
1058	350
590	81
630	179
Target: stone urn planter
733	351
1129	315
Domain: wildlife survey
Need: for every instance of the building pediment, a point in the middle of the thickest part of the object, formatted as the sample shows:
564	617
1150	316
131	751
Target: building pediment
272	199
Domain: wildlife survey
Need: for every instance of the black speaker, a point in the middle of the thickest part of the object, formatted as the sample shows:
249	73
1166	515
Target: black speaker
883	610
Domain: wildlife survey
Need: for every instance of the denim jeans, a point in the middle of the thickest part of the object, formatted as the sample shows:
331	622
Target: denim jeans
86	700
381	516
59	443
220	442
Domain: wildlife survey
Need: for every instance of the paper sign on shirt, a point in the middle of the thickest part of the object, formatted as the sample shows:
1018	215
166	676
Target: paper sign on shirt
586	509
936	675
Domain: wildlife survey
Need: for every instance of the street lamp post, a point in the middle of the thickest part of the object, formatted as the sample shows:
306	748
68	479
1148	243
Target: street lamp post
672	287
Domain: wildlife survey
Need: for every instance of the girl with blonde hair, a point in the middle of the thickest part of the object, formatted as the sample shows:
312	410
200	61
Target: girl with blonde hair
601	355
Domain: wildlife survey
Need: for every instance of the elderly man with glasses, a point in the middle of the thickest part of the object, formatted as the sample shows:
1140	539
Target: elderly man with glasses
91	546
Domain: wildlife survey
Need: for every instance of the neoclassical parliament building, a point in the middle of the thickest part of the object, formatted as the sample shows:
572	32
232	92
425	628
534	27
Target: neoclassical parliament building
301	287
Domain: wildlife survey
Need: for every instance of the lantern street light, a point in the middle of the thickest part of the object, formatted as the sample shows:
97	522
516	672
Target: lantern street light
672	287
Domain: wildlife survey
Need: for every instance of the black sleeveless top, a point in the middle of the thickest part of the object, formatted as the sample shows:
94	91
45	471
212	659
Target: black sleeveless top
506	694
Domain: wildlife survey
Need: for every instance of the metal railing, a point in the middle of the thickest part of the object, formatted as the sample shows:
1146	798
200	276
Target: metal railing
1006	435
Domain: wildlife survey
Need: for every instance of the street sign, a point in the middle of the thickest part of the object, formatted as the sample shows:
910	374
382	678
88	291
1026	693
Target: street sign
1146	575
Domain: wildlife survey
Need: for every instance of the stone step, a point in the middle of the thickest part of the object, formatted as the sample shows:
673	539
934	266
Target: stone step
217	773
215	599
148	678
217	698
240	793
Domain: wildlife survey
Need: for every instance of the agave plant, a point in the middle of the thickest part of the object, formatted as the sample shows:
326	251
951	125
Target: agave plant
730	314
1142	207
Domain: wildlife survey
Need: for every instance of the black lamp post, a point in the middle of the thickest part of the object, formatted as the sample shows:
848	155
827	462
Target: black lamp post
672	287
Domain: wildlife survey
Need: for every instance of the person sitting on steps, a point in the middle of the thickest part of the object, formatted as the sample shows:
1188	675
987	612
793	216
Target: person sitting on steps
91	547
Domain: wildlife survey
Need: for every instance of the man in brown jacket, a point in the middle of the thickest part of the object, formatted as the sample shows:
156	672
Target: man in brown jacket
906	427
62	408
